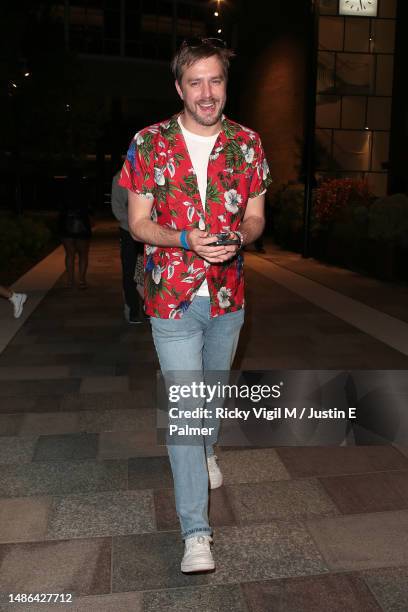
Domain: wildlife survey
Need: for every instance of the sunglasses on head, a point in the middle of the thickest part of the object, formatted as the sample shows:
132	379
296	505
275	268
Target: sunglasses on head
218	43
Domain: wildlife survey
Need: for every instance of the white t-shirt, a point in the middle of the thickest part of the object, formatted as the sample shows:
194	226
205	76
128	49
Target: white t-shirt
199	148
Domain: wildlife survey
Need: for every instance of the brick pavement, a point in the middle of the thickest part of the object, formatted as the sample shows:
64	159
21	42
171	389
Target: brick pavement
86	501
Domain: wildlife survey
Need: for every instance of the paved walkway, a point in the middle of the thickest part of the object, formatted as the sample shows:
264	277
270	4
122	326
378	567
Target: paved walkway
86	502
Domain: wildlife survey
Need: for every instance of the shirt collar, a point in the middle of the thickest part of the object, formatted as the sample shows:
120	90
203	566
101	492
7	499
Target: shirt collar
228	128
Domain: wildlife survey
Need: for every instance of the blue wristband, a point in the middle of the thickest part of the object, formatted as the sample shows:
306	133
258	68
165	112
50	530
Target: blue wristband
183	240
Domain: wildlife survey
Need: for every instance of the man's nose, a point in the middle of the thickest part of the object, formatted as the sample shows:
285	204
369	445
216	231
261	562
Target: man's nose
206	90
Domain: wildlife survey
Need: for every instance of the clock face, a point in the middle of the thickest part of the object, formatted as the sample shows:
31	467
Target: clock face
361	8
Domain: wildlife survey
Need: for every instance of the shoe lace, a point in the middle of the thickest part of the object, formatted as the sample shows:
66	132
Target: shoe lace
201	540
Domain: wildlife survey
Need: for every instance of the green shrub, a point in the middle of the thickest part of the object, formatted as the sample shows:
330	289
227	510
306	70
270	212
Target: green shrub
287	209
388	220
22	237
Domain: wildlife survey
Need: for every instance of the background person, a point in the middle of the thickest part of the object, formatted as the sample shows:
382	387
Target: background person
74	227
130	250
17	299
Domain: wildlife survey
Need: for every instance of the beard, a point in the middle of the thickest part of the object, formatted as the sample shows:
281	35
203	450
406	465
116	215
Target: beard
203	118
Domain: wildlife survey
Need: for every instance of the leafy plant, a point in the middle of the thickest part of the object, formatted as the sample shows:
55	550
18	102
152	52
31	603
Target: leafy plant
334	196
287	209
388	220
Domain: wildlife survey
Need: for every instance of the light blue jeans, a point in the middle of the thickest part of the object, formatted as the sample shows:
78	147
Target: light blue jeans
193	344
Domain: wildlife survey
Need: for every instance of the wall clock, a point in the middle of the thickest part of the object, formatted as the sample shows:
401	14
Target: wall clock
359	8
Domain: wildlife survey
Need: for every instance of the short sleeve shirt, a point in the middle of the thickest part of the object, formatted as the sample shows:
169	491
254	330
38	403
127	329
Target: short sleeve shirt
159	167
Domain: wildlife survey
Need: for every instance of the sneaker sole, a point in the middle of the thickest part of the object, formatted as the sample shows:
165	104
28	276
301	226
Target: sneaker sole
191	568
20	311
215	485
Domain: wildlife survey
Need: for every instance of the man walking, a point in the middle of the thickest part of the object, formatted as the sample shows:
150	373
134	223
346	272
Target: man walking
129	251
190	177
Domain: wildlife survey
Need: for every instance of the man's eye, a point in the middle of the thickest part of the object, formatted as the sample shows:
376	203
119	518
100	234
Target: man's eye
217	81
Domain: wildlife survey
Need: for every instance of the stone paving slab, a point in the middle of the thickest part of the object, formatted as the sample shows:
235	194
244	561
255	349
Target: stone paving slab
327	461
38	387
17	404
64	348
66	447
226	598
121	602
62	477
251	466
127	444
375	492
24	519
49	423
82	567
90	370
106	401
47	403
150	473
10	424
362	541
250	553
23	338
334	592
118	420
17	449
18	359
101	514
91	322
104	384
33	372
264	502
390	587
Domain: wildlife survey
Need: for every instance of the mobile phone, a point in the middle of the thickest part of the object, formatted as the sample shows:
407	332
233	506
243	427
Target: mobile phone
224	239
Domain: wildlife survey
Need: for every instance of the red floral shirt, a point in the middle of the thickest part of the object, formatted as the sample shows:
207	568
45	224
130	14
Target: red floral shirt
158	166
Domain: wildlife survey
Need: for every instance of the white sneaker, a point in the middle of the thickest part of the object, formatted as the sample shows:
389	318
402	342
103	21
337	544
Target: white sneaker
18	300
214	472
197	555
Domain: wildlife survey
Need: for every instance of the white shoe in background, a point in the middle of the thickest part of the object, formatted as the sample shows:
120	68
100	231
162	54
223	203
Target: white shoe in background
18	300
214	472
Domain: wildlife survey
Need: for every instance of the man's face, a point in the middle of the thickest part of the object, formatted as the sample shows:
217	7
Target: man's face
203	89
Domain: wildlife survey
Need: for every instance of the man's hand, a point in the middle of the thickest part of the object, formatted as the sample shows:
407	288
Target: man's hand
199	241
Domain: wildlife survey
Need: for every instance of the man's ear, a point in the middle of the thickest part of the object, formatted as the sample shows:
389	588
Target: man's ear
179	90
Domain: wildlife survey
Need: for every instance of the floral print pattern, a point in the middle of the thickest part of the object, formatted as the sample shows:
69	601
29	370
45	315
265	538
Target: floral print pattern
158	167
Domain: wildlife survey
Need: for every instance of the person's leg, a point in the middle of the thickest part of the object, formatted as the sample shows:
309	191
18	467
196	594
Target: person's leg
5	292
69	246
82	248
220	345
128	257
17	300
179	344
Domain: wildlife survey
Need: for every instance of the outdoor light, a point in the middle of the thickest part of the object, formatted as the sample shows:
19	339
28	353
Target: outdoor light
216	14
26	74
366	127
219	31
13	84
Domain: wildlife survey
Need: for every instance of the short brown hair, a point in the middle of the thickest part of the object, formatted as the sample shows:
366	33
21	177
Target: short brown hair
197	49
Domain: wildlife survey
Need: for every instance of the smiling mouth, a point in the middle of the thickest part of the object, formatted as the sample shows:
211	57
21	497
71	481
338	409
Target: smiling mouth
207	107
